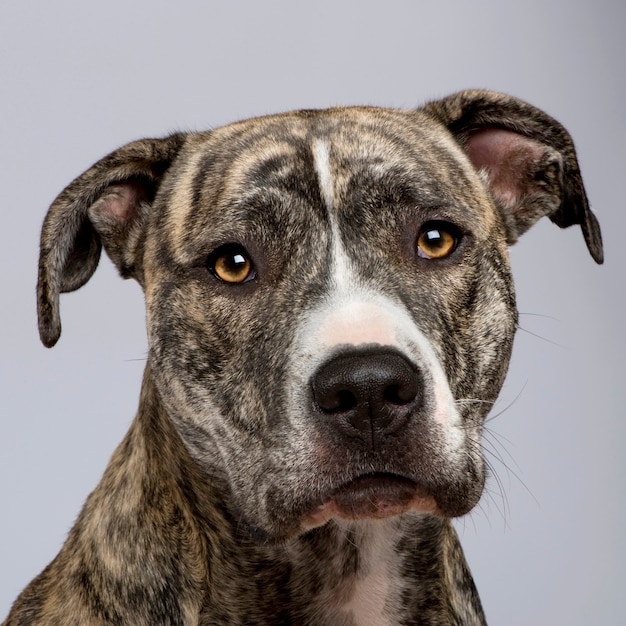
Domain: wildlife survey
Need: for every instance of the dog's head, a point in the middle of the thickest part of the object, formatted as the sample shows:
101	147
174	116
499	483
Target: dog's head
329	301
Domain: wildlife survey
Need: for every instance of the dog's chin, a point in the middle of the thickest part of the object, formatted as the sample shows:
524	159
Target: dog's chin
372	496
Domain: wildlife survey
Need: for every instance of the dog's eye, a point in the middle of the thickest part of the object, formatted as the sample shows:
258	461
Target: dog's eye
437	240
231	264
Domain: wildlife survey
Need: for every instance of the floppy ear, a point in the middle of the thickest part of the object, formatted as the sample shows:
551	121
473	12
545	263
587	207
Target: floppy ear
527	157
106	206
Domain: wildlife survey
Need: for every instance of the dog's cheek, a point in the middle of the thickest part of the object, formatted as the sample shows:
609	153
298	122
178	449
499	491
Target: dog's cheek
490	321
493	326
204	346
474	324
470	321
489	328
187	349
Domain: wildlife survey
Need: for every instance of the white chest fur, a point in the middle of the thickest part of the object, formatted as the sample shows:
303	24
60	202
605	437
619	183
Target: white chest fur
376	589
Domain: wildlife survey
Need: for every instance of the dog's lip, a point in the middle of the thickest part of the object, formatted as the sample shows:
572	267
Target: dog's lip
372	496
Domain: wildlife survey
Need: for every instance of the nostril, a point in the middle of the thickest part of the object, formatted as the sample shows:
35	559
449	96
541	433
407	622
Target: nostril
347	400
337	400
400	394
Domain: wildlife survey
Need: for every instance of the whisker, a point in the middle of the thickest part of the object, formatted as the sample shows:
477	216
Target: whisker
499	439
509	469
490	418
548	317
530	332
496	454
473	401
142	359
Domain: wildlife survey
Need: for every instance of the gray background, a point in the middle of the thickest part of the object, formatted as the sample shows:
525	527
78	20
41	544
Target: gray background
77	79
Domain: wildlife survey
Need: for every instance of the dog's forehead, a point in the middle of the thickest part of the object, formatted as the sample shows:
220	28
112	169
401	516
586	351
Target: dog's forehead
320	157
357	137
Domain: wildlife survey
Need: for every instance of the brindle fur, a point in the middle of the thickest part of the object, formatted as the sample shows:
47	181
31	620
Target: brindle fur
199	516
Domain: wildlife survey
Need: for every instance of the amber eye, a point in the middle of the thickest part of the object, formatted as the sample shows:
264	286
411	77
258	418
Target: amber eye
231	264
437	240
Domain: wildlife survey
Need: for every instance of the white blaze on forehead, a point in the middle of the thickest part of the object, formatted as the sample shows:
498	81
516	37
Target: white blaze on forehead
341	273
321	160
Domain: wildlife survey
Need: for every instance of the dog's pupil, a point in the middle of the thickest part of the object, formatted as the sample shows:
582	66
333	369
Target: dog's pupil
435	239
237	262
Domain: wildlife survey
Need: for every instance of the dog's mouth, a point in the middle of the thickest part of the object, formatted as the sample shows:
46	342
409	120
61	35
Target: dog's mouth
373	496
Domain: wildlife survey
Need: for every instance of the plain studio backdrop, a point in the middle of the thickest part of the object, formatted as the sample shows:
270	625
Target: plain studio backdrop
77	79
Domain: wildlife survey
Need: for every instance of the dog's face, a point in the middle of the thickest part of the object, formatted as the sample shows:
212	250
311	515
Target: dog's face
306	247
329	301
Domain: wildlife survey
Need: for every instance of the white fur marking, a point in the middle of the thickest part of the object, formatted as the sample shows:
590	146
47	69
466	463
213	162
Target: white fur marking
375	591
342	273
321	159
358	322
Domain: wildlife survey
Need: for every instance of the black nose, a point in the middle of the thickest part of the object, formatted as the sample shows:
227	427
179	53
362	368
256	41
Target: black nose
367	394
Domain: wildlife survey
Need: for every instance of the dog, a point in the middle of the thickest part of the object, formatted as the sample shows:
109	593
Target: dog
330	317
